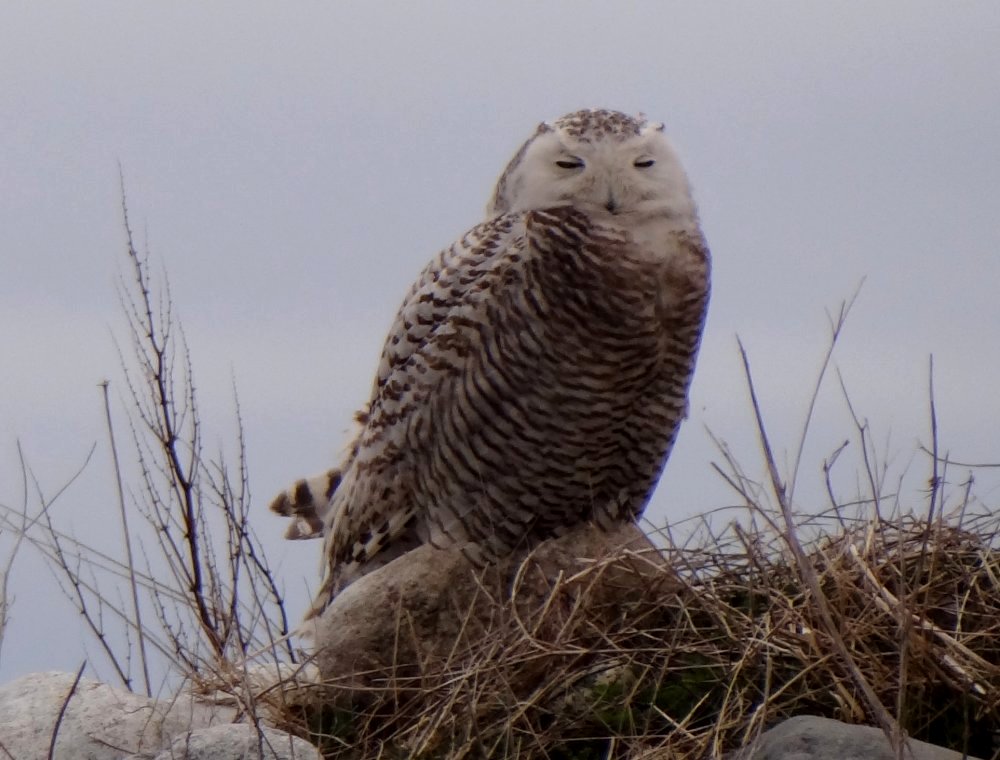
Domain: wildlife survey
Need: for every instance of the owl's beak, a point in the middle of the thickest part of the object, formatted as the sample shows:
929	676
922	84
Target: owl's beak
612	204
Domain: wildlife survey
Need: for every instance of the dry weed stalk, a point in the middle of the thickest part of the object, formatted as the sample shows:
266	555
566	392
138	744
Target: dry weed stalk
199	512
202	595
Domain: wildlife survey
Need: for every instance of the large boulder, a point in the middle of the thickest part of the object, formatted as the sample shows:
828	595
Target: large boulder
431	604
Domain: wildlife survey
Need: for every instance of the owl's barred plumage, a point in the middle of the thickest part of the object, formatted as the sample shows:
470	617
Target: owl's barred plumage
537	372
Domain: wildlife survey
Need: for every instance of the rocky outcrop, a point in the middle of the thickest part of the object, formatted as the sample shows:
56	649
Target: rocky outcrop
808	737
101	722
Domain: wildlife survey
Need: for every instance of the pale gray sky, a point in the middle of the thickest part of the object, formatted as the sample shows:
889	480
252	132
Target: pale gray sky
292	166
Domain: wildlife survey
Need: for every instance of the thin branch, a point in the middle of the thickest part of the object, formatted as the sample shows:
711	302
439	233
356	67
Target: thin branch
836	325
127	535
19	532
935	482
62	711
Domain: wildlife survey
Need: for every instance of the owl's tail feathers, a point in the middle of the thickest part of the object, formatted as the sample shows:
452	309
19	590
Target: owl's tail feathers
307	503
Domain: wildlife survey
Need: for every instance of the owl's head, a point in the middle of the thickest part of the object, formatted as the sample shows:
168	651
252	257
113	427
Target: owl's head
601	161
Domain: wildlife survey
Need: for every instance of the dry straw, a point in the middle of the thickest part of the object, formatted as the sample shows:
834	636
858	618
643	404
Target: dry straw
722	639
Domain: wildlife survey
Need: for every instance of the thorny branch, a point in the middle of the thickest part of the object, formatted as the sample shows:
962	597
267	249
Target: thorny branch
205	598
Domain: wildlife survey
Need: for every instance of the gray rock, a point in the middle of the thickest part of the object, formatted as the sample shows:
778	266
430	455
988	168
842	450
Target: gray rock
239	742
807	737
100	721
430	603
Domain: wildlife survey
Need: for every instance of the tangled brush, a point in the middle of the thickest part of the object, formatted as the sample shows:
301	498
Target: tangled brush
691	651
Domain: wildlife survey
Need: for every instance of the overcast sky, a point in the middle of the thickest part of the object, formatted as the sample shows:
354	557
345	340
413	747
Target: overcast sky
293	165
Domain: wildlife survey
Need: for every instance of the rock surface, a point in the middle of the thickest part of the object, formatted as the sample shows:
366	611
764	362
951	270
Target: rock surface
239	742
432	603
807	737
101	722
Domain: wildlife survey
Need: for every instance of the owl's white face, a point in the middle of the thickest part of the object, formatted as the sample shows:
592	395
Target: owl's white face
630	175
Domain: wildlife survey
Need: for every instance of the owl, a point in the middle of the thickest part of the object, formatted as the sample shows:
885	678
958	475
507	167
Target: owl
537	371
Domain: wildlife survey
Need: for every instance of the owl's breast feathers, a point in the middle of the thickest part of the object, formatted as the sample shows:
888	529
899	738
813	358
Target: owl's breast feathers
578	348
534	379
664	266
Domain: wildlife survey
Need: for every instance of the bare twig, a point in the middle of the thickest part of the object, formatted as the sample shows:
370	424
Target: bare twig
127	537
19	533
62	710
836	325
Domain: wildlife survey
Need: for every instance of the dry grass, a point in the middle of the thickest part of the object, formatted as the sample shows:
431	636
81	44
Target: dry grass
720	642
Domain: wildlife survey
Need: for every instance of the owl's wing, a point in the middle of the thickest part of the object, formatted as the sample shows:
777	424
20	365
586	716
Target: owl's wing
373	512
447	291
439	288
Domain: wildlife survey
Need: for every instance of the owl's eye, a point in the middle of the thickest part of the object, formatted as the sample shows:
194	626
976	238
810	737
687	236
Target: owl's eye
570	163
644	163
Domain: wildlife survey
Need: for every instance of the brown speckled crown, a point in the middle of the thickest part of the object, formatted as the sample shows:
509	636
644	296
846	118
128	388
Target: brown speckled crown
598	122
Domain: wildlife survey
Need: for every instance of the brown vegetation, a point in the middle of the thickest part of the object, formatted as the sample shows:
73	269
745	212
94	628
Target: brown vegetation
724	640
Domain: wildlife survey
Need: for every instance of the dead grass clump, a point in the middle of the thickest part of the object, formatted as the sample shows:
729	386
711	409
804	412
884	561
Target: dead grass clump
718	642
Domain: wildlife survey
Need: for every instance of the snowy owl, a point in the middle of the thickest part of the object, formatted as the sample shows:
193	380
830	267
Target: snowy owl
537	371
